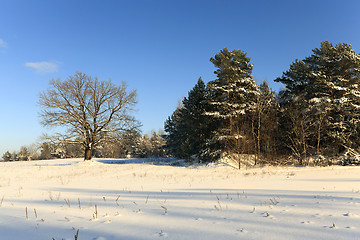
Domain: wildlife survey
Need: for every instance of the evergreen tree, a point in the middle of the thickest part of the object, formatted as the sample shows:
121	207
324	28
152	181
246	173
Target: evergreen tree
186	128
336	71
194	119
232	98
325	86
143	147
73	150
46	151
157	145
175	137
7	156
129	141
14	156
23	154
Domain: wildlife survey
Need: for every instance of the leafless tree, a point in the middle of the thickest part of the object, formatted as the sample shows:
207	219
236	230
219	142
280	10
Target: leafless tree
265	123
92	111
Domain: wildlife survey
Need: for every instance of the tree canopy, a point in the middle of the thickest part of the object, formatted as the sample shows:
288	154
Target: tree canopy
91	110
325	88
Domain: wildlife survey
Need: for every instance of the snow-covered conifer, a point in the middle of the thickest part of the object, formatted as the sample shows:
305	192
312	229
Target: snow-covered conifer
326	87
232	97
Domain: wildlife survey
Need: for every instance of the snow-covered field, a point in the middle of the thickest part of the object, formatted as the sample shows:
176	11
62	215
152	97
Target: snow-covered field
107	200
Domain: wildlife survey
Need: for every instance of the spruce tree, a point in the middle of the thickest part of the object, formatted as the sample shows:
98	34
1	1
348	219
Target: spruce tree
186	128
175	140
194	120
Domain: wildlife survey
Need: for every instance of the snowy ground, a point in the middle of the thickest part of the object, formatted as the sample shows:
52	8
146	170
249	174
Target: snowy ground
136	200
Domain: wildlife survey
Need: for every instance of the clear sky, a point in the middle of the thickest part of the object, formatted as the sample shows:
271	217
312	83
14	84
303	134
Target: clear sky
159	47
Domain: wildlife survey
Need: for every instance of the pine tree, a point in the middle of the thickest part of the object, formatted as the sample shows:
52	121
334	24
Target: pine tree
336	71
232	97
325	86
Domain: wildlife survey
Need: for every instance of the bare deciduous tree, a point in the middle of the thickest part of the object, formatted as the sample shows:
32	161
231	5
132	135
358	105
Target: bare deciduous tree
91	110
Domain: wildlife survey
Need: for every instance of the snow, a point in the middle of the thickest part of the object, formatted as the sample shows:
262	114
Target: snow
164	199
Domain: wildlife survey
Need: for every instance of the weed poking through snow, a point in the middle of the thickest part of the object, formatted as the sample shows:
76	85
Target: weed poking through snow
165	209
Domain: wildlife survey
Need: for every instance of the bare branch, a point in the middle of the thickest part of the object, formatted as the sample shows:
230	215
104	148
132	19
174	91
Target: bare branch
87	107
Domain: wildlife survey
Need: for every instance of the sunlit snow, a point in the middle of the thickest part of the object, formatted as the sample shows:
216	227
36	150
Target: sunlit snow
165	199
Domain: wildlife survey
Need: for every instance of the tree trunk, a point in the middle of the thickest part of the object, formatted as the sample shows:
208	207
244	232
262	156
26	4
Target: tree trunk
318	139
88	153
258	134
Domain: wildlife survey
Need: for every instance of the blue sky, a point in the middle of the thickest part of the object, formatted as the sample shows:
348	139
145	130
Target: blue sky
159	47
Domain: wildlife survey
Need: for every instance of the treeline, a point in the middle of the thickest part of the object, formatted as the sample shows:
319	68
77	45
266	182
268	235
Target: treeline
127	144
313	120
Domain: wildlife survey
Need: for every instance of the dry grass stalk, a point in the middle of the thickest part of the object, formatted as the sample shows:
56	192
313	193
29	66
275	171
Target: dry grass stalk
96	212
67	202
117	200
77	235
2	199
165	209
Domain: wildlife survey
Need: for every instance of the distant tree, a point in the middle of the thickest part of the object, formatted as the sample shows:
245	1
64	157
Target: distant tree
7	156
14	156
157	144
73	150
33	150
45	151
24	154
109	149
129	141
145	148
120	146
91	110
